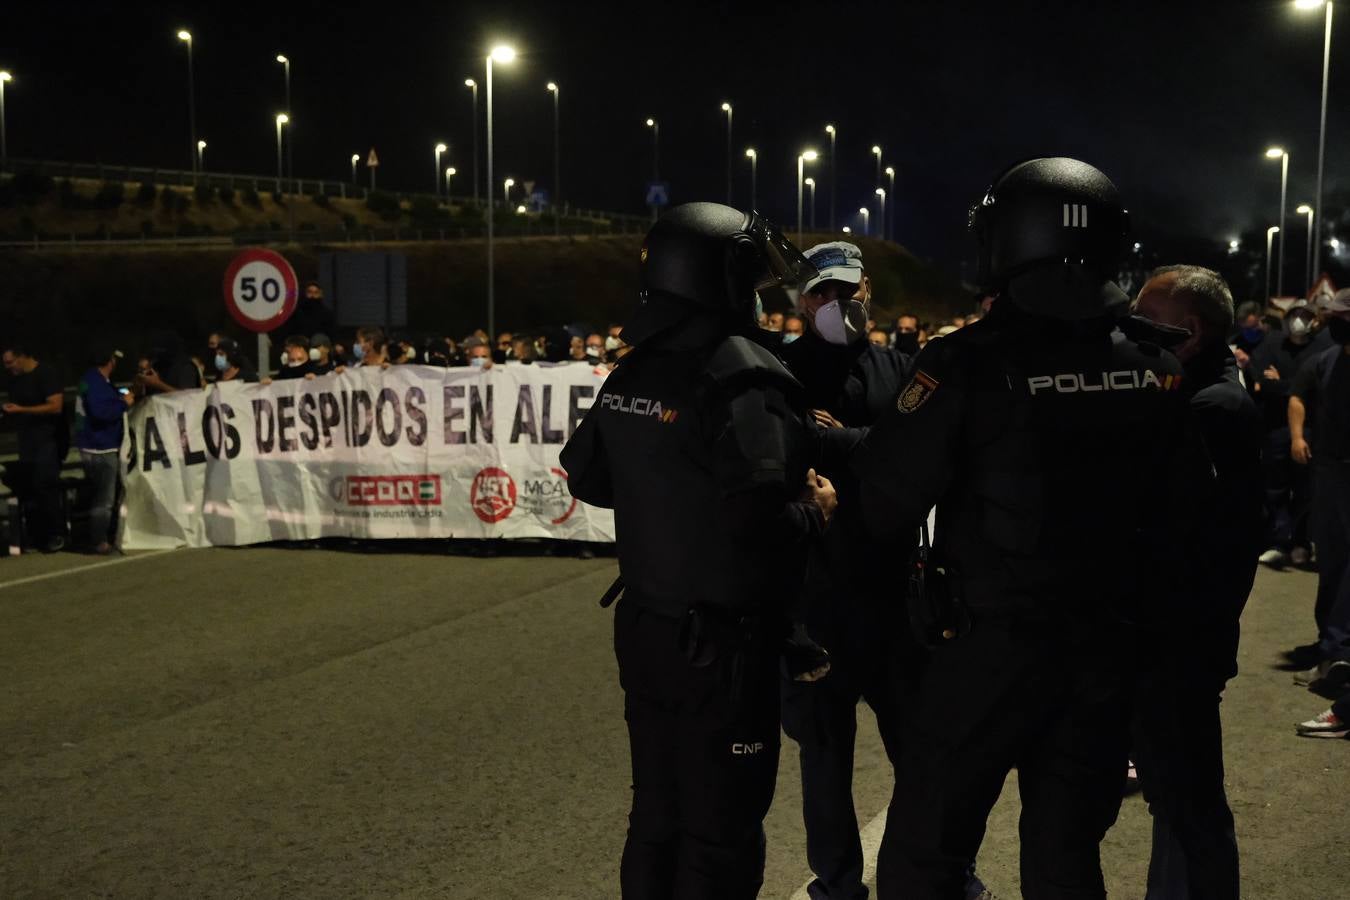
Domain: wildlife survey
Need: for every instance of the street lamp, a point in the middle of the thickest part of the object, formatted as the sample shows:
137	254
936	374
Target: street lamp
881	211
448	172
889	225
811	183
1281	154
754	172
186	37
847	230
876	151
4	148
290	138
1308	211
1322	139
473	87
436	171
506	191
201	152
804	157
356	158
282	119
834	167
726	108
504	55
557	159
866	216
1270	235
655	126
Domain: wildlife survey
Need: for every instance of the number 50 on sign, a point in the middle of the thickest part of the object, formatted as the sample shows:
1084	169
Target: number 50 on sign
260	290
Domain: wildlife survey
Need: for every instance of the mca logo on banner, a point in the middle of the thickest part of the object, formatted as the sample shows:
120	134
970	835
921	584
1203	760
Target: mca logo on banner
406	452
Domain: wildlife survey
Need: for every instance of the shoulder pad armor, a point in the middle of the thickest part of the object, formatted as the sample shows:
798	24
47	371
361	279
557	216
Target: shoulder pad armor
738	358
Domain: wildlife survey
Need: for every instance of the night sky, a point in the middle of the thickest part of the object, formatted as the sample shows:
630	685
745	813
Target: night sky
1175	101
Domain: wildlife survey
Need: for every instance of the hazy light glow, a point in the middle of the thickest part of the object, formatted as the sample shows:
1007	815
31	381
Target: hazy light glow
5	76
726	107
185	36
201	145
829	129
503	54
810	155
1304	209
1309	4
881	192
450	171
847	230
876	150
890	170
282	118
864	210
282	59
440	148
356	157
469	82
552	86
1275	153
651	123
1233	245
810	181
750	152
520	209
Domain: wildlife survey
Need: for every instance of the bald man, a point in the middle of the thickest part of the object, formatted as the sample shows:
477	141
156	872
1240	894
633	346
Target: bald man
1178	739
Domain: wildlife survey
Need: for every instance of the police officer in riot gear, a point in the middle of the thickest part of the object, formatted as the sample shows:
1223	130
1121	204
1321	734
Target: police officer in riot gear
1049	442
699	443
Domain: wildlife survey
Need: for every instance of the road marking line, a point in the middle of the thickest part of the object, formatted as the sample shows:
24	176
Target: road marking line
98	565
870	837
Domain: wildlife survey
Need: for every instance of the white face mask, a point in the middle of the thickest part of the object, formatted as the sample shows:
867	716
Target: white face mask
841	322
313	354
478	362
1298	326
790	336
612	343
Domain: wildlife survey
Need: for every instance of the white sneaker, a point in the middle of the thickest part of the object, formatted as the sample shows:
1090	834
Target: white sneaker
1326	725
1274	557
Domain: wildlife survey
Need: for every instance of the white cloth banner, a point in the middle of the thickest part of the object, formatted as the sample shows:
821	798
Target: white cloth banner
404	452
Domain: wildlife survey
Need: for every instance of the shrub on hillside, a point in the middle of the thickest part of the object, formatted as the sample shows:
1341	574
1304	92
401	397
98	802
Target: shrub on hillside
226	195
109	195
384	205
145	194
172	201
250	196
425	212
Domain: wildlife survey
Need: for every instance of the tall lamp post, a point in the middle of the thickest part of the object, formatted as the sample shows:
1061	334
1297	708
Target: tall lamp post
201	156
473	87
1308	211
811	203
290	137
557	158
436	170
186	37
866	217
448	173
356	158
506	191
876	151
1322	138
881	212
1281	154
754	173
726	108
505	55
834	167
1270	236
803	158
890	192
282	119
4	146
655	126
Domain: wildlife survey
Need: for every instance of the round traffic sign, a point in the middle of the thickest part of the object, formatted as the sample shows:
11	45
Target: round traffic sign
261	291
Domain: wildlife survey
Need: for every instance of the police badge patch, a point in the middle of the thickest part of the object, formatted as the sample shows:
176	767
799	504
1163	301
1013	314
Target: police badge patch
919	389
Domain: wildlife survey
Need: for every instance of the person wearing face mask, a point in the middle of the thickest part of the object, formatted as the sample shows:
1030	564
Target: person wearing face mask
232	365
1251	331
295	359
321	355
312	315
1319	428
905	338
1188	657
849	601
794	326
1288	488
595	349
477	353
370	348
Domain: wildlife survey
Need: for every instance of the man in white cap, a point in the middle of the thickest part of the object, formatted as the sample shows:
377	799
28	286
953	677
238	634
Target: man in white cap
1319	429
851	603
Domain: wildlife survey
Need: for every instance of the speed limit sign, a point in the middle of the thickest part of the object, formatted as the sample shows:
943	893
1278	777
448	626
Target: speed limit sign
260	290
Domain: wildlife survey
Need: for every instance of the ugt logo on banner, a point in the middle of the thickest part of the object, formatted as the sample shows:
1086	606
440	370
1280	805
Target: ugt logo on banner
493	495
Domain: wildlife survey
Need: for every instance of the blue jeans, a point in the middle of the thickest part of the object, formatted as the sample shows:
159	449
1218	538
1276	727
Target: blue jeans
100	472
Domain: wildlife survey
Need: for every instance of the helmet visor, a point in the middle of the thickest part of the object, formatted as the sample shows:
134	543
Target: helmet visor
784	264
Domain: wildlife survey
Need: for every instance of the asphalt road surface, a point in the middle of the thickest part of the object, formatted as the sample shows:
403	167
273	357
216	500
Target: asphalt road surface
327	723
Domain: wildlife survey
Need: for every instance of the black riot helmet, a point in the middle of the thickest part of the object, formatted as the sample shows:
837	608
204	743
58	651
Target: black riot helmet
708	258
1051	233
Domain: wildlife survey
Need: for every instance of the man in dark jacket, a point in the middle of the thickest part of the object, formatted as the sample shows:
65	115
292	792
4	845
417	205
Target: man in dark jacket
1048	441
36	409
100	408
699	444
312	316
1191	651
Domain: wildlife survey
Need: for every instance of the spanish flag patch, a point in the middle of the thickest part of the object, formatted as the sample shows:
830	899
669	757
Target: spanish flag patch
914	394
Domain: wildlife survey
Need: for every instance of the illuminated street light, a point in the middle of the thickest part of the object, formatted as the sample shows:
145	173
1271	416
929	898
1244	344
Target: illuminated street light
436	170
881	211
473	88
1308	211
4	148
506	190
889	225
1281	154
726	108
754	172
804	157
811	183
521	209
448	173
847	230
866	217
834	168
552	88
282	119
356	158
876	151
290	136
1270	235
655	126
1322	135
201	152
186	37
501	54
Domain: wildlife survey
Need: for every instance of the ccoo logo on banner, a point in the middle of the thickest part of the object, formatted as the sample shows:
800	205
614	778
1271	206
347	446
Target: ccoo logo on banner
410	451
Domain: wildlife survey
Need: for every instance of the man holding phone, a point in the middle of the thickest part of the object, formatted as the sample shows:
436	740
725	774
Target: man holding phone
99	408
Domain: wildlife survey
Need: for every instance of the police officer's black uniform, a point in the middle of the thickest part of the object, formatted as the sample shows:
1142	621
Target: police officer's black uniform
1045	438
1189	650
698	443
